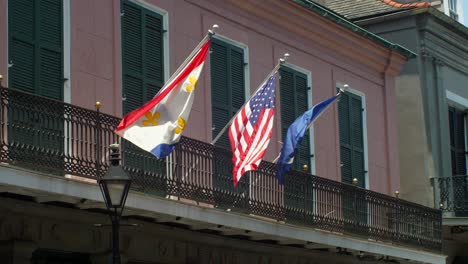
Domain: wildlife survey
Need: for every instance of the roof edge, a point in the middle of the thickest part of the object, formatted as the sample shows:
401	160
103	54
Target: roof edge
325	12
396	4
417	11
448	20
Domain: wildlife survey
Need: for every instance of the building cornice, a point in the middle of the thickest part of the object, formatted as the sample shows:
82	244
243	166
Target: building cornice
335	39
330	15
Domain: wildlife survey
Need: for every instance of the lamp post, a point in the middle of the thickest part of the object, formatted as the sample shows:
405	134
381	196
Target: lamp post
114	187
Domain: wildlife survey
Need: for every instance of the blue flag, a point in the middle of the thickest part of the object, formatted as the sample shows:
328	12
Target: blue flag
294	137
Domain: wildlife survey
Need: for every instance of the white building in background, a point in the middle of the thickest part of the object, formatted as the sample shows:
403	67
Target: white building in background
452	8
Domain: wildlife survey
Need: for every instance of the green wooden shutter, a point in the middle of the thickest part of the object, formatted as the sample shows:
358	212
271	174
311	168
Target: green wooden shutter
457	141
227	85
351	138
36	47
227	97
143	76
293	93
21	21
142	58
51	48
36	54
301	107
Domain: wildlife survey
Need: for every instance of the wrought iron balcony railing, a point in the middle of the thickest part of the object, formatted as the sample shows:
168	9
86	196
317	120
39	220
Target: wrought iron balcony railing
453	194
61	139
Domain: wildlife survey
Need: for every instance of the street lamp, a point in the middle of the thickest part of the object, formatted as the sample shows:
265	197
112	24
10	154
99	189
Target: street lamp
114	187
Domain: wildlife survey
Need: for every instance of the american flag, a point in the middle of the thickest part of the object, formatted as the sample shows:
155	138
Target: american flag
251	130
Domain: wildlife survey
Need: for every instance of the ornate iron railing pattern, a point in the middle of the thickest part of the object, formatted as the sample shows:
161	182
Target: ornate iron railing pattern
453	194
60	138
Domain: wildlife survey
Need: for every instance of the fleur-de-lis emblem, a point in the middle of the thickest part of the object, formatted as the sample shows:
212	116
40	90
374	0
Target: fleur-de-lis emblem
152	119
180	125
191	85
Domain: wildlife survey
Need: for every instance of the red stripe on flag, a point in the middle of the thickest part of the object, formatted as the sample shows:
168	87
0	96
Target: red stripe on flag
262	143
133	116
255	147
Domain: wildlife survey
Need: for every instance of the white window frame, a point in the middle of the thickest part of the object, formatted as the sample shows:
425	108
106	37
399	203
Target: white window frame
309	105
364	129
459	102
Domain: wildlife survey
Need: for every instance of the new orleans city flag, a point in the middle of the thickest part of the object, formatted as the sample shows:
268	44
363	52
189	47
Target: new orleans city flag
158	125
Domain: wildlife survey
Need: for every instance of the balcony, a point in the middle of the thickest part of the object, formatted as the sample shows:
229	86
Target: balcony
453	195
68	141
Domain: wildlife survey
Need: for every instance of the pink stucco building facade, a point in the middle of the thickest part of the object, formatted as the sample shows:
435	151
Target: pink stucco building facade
331	55
326	50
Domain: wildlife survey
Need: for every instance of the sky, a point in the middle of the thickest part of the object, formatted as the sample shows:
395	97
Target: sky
465	13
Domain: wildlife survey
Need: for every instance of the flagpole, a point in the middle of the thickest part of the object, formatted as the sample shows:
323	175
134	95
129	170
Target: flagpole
340	92
209	35
274	71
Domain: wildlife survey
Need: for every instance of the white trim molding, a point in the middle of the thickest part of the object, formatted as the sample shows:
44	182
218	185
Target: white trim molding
457	99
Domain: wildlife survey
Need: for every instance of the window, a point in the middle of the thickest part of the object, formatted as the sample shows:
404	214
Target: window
453	9
142	55
35	37
351	126
294	94
227	97
457	140
142	77
457	129
36	47
227	85
453	5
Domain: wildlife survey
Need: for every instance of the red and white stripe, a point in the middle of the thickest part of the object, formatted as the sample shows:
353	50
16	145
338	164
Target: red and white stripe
249	143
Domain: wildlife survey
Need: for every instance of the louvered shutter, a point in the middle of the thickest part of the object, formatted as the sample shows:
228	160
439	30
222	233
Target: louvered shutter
142	48
21	20
457	141
50	48
36	54
132	57
36	47
237	79
287	94
345	144
460	134
351	138
293	93
220	99
357	139
227	86
153	54
143	77
301	107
